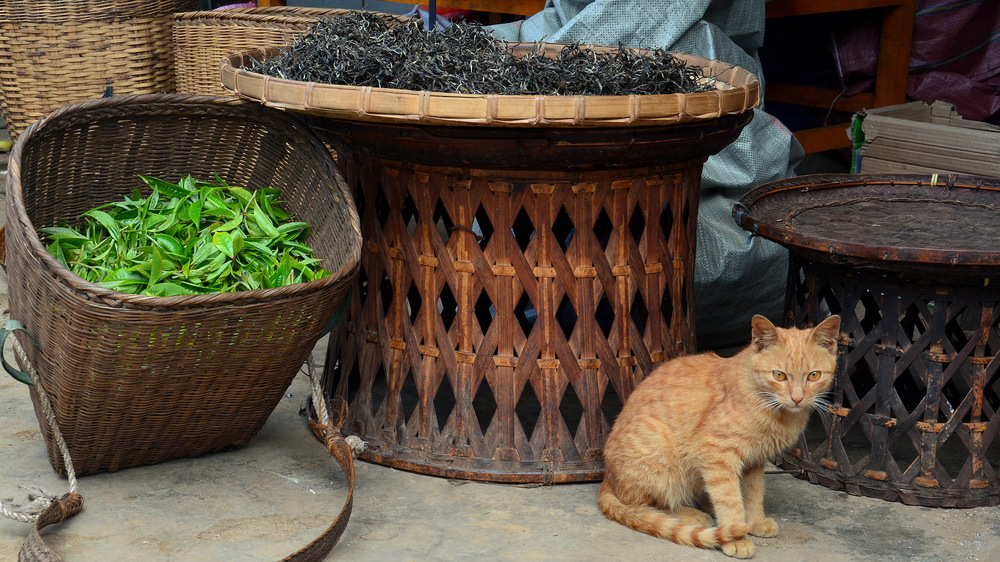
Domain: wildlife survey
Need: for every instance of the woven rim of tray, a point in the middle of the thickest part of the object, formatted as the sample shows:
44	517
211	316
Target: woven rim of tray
737	92
743	215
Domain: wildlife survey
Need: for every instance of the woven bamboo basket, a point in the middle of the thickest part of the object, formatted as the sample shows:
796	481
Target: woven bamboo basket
910	264
528	260
136	379
56	52
202	39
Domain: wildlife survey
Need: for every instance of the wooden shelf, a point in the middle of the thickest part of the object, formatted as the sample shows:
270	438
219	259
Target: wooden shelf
890	79
787	8
817	97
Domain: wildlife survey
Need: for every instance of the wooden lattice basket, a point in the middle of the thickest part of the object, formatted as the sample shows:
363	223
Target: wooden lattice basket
528	260
138	379
56	52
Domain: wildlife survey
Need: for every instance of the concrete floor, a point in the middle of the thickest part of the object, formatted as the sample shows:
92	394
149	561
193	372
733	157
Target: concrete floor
273	496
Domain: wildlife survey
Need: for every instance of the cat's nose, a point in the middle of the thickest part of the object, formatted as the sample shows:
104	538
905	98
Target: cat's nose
797	400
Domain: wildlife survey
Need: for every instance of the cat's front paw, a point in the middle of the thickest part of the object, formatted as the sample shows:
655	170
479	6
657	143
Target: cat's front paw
742	548
764	528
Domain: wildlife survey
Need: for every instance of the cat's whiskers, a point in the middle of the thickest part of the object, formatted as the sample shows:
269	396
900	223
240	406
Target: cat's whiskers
821	403
768	403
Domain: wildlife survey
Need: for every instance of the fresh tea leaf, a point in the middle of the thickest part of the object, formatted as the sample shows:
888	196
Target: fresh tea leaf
194	212
166	290
243	195
184	189
106	221
292	227
187	238
264	221
63	234
224	243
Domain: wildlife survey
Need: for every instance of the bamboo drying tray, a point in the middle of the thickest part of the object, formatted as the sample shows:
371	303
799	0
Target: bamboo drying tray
56	52
138	379
737	92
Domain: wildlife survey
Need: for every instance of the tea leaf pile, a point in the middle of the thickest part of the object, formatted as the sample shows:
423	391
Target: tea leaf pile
188	238
370	49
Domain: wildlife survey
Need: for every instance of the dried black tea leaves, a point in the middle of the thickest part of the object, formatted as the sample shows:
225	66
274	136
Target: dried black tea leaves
371	49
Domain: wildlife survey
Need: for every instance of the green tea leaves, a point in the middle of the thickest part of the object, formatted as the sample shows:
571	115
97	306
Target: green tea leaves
194	213
170	244
183	189
106	221
224	242
243	195
264	222
187	238
64	235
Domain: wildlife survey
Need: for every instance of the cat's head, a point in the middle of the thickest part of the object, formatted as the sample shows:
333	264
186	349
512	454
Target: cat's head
792	368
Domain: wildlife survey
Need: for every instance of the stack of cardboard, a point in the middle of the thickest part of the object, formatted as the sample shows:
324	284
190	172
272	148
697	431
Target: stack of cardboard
917	138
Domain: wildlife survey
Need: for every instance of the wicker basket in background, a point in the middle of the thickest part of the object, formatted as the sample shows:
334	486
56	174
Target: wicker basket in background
56	52
203	39
137	379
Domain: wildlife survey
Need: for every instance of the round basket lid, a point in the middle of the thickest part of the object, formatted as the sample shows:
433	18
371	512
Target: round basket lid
884	221
737	91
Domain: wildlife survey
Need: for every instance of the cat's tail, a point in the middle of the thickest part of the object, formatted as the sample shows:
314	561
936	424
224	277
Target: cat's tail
661	524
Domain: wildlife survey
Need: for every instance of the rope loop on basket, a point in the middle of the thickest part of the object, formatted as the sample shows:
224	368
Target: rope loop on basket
38	500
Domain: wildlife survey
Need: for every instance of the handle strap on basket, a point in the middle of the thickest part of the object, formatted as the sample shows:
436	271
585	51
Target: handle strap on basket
344	450
43	509
5	330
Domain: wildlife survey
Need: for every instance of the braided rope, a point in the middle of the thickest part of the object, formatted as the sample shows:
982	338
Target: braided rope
321	406
38	499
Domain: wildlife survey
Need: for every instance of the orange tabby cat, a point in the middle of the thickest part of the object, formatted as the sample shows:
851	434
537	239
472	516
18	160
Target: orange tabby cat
695	434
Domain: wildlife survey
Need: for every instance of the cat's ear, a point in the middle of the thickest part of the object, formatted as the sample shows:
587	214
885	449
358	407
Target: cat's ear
764	333
826	333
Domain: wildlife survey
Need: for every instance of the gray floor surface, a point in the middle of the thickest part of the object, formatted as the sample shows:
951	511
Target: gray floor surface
273	496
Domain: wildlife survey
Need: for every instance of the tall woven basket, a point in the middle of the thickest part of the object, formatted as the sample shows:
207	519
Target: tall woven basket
56	52
137	379
527	261
202	39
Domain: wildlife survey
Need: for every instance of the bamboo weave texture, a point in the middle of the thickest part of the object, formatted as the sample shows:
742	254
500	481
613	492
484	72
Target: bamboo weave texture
57	52
137	379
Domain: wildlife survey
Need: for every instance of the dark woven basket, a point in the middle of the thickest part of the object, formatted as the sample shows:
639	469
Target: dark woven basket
910	263
136	379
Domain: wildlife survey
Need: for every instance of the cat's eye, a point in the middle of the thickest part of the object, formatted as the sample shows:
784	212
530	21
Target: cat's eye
813	376
779	375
